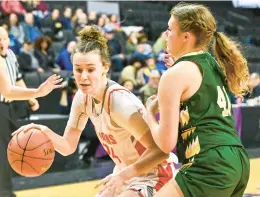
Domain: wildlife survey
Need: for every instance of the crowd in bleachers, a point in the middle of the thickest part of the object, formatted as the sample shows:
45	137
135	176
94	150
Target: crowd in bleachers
43	40
43	35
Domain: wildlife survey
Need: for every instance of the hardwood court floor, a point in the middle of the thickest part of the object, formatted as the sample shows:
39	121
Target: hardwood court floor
86	189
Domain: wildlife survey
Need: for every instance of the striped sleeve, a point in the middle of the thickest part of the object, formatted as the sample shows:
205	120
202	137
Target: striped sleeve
78	117
14	61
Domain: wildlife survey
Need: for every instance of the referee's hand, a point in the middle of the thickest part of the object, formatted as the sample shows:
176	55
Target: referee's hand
50	84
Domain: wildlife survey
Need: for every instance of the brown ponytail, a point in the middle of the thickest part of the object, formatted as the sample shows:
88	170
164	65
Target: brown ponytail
232	62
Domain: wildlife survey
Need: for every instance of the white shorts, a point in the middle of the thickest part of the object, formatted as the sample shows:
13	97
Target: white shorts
147	186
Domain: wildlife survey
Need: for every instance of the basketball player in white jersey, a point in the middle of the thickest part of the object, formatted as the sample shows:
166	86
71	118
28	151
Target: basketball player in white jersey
118	117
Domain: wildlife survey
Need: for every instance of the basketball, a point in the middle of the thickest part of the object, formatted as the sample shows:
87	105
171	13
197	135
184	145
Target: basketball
30	154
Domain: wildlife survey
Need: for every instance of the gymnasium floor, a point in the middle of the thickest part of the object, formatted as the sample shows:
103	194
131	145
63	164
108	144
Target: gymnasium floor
86	189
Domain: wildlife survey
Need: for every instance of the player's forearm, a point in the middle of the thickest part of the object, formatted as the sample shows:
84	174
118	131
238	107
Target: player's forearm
19	93
149	160
60	144
154	128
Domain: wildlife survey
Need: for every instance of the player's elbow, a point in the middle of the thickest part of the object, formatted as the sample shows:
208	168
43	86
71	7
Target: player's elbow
167	147
67	153
6	94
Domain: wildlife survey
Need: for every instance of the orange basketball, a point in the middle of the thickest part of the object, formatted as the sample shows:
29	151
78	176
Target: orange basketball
30	154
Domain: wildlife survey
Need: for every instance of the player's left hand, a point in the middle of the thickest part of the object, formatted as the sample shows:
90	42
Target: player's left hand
113	183
152	104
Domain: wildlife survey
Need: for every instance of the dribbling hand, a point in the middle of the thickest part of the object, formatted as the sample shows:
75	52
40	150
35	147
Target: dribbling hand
28	127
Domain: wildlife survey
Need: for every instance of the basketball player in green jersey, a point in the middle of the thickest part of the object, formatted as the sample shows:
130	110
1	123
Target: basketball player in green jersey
195	109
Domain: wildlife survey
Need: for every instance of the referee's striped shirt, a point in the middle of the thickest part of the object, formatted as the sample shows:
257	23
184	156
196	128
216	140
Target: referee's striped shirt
12	68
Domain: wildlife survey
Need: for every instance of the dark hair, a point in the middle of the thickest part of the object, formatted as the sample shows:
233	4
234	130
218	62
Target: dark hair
136	59
199	20
40	40
92	39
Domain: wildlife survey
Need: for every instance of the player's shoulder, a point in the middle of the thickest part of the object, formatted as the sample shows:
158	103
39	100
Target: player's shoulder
80	97
120	96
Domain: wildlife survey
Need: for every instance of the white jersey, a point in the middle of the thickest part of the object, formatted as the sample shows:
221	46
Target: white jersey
118	127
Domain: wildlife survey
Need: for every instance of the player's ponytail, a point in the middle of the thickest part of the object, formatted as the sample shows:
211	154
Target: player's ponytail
232	62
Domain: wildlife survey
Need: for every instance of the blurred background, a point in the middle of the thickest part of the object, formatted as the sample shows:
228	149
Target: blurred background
42	36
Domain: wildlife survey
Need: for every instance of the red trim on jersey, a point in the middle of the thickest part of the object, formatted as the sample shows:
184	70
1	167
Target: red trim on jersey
140	148
140	194
164	174
110	95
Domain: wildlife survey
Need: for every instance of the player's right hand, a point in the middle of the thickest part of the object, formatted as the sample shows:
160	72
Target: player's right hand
28	127
49	85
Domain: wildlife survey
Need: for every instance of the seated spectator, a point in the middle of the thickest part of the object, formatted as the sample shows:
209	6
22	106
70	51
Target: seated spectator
63	59
131	43
13	6
92	18
66	18
254	85
160	44
31	32
13	44
151	65
81	23
44	54
114	21
26	59
134	71
129	84
101	22
16	28
151	87
75	16
115	49
160	63
51	26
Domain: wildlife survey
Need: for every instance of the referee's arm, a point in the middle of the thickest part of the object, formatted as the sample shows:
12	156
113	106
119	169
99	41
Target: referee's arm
33	102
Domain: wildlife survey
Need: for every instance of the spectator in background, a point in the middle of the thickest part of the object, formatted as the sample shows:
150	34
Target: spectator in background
129	84
31	32
160	44
27	60
63	59
66	18
151	88
75	17
114	21
16	28
14	44
92	18
101	22
254	85
151	65
81	23
131	43
44	55
134	71
13	6
51	25
115	49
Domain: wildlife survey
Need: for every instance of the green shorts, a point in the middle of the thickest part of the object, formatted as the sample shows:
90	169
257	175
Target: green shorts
219	172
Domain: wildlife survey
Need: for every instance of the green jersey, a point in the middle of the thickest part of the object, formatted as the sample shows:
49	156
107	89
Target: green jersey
206	119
